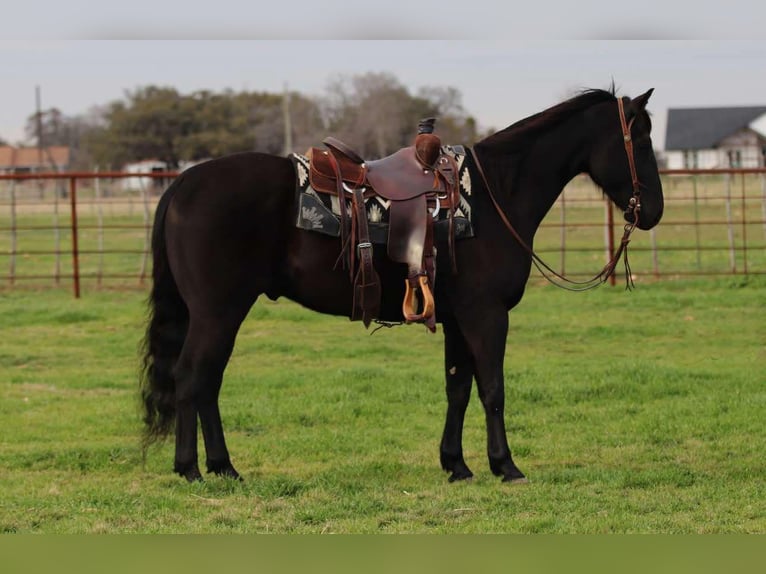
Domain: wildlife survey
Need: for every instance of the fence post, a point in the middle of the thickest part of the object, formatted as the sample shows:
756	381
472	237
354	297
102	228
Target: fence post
609	236
147	232
75	249
14	235
730	226
697	223
744	227
100	236
563	234
763	201
56	235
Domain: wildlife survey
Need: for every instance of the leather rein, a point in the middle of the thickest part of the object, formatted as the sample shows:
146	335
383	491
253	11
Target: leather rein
634	208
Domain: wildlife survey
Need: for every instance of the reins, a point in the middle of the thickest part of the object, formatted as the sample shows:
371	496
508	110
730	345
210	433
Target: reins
634	207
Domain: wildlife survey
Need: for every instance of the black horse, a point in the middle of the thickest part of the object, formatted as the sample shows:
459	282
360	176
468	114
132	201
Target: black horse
224	233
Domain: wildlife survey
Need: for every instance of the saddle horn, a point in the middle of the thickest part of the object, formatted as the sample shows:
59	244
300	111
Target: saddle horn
427	144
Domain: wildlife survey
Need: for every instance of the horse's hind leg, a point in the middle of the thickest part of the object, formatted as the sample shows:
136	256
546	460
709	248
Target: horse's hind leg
458	365
199	374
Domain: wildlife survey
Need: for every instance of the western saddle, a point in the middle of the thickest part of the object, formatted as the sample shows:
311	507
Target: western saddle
417	181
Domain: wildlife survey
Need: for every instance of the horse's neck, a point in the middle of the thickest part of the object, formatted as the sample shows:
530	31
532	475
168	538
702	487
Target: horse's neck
530	187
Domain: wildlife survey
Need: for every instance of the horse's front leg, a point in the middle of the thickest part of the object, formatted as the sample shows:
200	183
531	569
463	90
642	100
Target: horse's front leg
485	333
458	366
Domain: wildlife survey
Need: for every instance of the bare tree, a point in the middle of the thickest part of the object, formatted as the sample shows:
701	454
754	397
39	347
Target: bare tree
371	112
308	124
377	115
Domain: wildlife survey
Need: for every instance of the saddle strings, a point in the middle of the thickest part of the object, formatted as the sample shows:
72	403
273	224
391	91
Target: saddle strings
346	255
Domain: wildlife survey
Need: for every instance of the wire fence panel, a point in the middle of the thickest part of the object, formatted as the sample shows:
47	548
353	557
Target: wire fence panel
102	240
714	224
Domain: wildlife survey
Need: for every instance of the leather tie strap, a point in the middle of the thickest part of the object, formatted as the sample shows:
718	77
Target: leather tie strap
346	254
344	224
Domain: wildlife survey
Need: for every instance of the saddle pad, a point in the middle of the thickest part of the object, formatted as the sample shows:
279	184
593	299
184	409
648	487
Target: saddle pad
321	212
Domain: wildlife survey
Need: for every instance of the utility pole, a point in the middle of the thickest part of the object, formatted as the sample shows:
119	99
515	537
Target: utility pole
288	122
40	148
39	125
39	118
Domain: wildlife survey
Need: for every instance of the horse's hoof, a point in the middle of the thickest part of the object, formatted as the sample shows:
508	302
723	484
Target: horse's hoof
229	473
465	474
456	466
190	471
505	468
192	476
460	478
515	479
223	469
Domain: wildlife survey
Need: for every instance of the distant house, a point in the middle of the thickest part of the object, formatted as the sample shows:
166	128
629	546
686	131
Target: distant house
29	160
707	138
139	183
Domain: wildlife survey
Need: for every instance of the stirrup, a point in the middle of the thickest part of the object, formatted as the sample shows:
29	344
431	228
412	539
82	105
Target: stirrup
408	306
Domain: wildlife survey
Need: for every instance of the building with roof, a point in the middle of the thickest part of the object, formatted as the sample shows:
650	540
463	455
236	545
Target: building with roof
140	183
29	160
708	138
146	166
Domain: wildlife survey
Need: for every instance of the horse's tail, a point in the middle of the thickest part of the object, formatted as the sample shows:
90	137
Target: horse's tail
168	321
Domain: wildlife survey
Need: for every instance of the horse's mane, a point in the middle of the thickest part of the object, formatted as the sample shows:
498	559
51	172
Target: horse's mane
518	135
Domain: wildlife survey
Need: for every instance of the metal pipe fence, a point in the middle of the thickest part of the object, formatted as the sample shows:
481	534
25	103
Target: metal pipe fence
714	224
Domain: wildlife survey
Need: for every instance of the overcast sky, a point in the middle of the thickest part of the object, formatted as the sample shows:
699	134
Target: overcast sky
501	82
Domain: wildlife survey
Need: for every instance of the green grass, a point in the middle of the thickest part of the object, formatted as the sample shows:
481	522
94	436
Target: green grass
629	412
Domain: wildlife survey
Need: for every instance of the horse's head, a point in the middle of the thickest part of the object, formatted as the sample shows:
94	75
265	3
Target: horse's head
610	163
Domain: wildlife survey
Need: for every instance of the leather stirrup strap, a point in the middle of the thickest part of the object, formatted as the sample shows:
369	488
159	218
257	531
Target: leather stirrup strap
344	222
429	264
366	282
447	168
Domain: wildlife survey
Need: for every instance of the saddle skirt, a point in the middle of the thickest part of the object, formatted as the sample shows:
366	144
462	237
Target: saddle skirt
319	211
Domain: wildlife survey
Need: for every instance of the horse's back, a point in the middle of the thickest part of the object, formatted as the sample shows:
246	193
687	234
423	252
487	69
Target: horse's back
237	180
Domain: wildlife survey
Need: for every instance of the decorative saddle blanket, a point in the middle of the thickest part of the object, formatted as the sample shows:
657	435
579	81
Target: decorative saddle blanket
320	212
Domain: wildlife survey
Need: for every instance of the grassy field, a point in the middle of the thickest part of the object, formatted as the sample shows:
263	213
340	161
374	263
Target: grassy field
629	412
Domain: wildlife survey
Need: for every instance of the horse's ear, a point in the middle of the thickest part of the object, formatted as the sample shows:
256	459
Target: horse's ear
639	103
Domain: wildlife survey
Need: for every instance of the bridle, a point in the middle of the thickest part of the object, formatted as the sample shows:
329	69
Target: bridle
634	209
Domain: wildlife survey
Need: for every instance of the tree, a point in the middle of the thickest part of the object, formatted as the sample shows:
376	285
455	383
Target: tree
377	115
373	112
52	127
453	125
150	124
307	120
370	112
58	129
160	123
